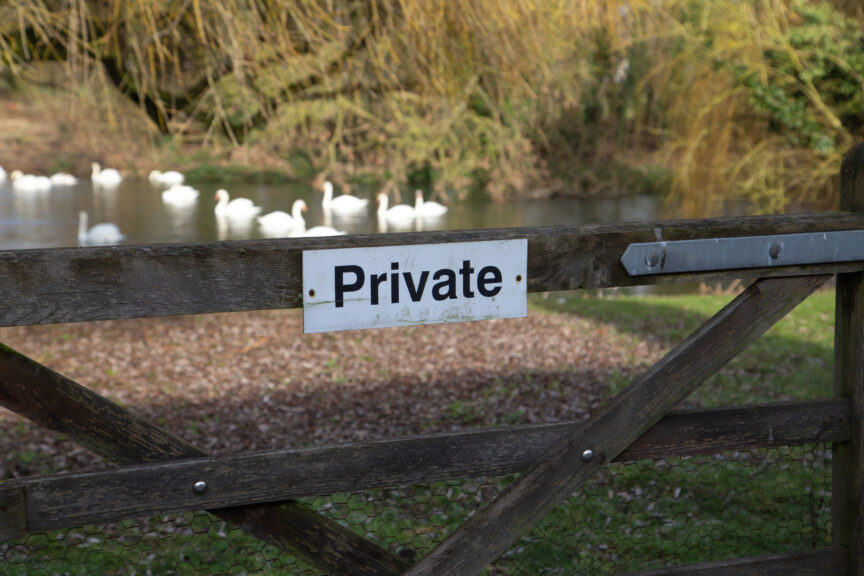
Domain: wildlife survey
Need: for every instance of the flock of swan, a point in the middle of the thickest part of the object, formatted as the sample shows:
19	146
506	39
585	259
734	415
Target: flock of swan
38	183
34	183
274	224
281	223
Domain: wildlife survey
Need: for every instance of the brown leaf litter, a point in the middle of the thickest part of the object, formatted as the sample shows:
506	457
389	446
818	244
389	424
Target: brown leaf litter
252	381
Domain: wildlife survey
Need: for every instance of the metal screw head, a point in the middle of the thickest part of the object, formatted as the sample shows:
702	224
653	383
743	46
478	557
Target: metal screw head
587	455
199	487
774	251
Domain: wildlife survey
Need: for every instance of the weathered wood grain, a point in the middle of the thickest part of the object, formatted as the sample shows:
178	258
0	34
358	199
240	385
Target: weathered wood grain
81	284
830	561
59	404
488	533
693	432
12	511
848	463
69	500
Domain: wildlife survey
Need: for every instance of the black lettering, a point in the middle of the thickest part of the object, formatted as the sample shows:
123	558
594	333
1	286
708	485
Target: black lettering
466	272
341	287
483	280
416	292
394	283
449	283
489	281
377	279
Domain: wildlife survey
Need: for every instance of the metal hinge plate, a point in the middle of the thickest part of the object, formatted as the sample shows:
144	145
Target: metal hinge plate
710	254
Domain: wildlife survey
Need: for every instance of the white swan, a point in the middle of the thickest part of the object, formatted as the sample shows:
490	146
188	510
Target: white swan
29	182
237	208
278	223
427	209
63	179
323	231
105	233
180	195
300	230
107	177
399	213
169	178
343	204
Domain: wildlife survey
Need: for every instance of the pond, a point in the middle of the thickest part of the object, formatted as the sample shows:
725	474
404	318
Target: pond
50	219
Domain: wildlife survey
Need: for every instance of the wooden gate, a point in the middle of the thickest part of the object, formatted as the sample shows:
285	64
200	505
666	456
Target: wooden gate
162	473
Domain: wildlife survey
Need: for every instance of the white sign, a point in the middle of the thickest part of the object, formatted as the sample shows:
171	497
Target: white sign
354	288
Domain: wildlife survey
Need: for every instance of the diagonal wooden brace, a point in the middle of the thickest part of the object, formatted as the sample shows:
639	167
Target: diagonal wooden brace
118	435
566	465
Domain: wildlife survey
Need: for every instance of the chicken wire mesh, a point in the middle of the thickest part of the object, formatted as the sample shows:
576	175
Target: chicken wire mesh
631	516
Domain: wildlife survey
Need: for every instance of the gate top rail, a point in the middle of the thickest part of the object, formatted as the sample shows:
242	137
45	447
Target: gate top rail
56	285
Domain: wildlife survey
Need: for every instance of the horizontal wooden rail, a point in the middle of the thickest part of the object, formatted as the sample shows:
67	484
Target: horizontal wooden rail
45	286
830	561
109	430
576	457
68	500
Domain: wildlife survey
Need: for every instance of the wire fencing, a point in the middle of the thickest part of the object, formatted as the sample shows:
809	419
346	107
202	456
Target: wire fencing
631	516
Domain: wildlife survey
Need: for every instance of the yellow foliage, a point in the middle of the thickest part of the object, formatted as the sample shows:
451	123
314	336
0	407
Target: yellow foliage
457	86
719	146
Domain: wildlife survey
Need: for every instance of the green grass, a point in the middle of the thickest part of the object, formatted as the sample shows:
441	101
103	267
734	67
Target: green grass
688	510
235	174
630	517
793	360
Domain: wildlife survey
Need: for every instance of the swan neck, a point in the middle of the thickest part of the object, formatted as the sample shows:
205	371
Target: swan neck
297	211
82	225
222	201
299	228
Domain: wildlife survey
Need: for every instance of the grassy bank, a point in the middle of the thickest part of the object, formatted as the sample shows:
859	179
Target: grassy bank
632	516
792	361
721	99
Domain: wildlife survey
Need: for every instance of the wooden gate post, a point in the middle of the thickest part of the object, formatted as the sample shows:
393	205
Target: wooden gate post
847	499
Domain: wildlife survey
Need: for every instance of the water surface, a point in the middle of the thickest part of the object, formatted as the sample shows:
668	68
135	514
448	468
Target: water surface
50	219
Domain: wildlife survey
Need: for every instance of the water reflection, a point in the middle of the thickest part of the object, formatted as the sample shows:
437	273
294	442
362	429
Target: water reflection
231	228
180	217
48	219
30	204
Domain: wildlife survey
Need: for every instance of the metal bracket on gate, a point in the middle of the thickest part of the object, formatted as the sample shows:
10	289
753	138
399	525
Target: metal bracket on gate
710	254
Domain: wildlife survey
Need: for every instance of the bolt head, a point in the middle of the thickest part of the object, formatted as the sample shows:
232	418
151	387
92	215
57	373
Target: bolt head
199	487
652	259
587	455
774	251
